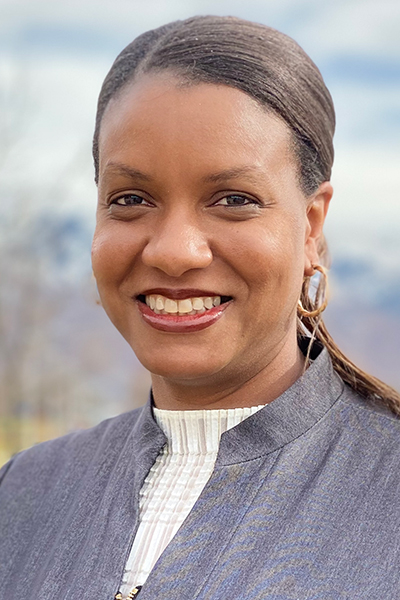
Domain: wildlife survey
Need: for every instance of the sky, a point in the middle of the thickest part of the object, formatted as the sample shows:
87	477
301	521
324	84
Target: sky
54	56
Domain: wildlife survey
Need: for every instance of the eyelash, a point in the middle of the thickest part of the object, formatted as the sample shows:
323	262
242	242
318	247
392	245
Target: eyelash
117	201
248	201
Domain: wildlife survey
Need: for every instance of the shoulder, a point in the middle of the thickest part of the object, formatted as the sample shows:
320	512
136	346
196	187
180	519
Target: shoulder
72	451
369	408
370	419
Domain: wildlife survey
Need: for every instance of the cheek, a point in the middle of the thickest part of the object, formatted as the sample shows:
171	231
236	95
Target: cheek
112	253
270	256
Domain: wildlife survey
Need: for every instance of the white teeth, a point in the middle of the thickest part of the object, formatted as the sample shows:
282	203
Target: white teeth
208	302
198	303
170	306
160	303
187	306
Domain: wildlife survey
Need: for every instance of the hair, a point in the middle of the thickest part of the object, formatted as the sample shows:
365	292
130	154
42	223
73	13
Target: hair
273	69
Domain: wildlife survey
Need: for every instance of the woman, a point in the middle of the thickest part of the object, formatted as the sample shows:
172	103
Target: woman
265	464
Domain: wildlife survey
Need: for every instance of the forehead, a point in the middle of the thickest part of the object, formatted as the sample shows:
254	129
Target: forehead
198	124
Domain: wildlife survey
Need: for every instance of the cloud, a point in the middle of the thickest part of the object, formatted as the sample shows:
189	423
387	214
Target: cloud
353	27
348	26
364	218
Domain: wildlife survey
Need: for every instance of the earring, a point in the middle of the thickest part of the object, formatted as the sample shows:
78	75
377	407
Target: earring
97	295
310	314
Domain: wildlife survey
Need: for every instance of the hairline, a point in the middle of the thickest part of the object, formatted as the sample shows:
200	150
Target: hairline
187	80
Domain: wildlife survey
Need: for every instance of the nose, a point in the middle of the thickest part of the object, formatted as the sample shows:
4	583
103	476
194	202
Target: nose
177	246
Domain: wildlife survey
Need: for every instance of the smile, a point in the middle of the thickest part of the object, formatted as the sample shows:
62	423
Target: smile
181	315
187	306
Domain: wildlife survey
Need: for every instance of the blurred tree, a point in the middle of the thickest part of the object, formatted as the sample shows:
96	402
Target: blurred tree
57	369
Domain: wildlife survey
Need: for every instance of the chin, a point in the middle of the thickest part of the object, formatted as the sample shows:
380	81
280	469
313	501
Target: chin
183	366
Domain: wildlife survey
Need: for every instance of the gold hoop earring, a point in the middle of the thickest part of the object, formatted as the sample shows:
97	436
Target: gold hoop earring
97	295
311	314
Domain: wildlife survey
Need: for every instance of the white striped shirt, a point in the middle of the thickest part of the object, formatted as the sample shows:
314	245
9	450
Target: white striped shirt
175	481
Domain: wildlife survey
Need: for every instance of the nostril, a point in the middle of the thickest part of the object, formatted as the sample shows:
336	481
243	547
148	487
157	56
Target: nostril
175	255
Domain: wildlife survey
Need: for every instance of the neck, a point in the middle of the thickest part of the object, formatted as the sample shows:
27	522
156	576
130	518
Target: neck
237	390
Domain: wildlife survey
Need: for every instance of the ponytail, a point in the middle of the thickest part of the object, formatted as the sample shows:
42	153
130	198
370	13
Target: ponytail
366	385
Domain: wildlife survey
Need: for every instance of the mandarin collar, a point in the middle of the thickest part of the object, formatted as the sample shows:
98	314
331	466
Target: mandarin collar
287	417
280	422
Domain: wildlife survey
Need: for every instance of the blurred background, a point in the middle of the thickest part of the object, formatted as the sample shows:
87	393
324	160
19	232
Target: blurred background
62	365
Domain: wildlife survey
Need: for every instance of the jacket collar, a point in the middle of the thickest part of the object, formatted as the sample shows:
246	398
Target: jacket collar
289	416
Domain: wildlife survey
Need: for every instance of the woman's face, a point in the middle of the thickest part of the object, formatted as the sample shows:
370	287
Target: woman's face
203	235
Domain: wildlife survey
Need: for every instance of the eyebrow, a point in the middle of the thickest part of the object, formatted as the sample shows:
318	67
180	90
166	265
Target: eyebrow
122	169
233	173
221	176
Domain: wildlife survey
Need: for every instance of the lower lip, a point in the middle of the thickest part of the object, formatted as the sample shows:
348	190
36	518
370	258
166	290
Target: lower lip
184	323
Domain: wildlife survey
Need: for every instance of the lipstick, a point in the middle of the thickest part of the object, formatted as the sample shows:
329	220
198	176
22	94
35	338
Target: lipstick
173	323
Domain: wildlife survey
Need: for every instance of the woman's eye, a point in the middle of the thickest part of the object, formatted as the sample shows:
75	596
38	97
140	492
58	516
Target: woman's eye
235	200
130	200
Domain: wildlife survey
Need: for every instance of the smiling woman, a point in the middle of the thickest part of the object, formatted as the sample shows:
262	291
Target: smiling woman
264	460
198	206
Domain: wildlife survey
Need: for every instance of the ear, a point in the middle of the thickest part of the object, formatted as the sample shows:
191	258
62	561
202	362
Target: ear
317	208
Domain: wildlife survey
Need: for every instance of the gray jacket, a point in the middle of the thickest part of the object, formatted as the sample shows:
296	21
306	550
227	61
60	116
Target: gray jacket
303	504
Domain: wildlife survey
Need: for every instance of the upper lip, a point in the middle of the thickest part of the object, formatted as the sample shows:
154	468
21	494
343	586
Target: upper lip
179	294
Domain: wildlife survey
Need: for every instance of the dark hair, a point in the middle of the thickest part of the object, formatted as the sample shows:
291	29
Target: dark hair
271	68
260	61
